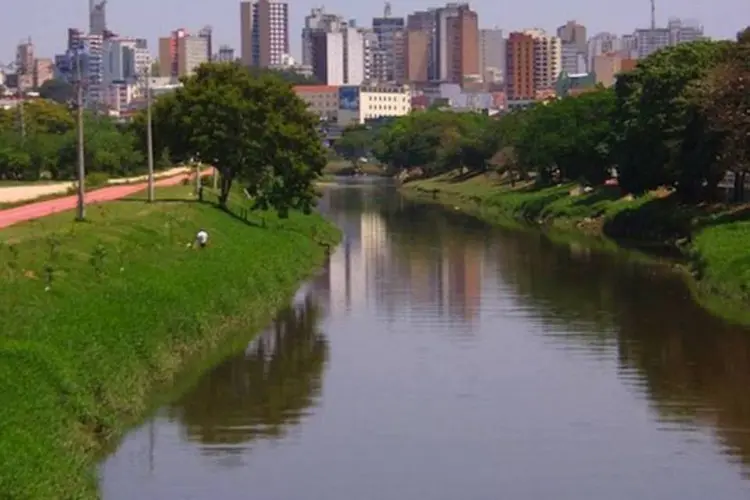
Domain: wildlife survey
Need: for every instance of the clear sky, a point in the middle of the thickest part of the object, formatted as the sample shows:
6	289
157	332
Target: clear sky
46	21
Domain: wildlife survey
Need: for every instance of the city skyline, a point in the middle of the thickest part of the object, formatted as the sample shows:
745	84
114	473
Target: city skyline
47	24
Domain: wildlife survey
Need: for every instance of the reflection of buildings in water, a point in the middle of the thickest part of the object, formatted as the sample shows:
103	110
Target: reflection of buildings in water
353	268
462	271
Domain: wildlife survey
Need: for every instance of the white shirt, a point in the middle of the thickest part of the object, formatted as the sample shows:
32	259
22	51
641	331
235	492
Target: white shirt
202	237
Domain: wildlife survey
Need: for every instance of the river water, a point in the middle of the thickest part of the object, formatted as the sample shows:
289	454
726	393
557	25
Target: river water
438	358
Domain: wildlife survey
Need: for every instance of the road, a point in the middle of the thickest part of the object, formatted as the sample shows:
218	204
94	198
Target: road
43	208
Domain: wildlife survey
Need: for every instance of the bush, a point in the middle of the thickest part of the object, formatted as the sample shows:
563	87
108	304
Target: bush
97	179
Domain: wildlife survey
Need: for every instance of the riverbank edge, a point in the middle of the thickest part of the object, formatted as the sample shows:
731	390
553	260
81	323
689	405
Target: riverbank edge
197	346
685	258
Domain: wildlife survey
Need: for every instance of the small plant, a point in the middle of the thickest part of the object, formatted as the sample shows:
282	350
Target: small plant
97	259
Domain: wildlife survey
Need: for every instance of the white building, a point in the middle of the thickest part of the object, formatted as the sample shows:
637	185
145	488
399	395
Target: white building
684	31
547	58
648	41
367	102
573	60
125	59
492	49
336	52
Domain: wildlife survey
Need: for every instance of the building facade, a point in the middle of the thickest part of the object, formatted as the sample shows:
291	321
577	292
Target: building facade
492	55
357	104
181	53
264	32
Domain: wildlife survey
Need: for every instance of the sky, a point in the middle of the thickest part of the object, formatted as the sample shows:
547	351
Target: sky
46	21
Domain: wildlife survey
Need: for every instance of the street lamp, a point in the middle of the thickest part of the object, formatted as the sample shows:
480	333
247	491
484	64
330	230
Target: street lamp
149	135
81	205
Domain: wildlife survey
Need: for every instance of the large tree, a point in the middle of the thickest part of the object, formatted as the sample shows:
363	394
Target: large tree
652	113
253	128
724	102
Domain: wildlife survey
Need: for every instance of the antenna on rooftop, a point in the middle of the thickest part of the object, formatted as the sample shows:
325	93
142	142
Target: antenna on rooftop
653	14
387	10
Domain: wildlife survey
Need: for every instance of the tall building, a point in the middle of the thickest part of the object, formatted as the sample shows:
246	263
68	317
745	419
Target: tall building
181	53
573	60
317	20
264	32
649	40
417	56
386	31
492	55
125	59
457	37
86	51
426	23
533	61
338	56
207	34
682	31
572	33
226	54
338	52
25	58
97	17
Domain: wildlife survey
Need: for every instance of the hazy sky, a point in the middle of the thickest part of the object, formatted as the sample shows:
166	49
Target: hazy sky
46	21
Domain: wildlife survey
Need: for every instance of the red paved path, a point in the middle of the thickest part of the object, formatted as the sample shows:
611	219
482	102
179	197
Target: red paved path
41	209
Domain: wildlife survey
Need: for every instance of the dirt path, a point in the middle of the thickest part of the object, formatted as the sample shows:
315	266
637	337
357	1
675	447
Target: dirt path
43	208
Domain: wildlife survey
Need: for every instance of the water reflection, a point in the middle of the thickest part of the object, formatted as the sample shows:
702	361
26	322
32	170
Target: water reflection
262	392
465	362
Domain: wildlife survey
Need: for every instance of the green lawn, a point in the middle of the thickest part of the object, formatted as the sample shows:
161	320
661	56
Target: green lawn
97	314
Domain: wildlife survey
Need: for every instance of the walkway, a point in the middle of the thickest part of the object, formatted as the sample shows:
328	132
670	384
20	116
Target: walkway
43	208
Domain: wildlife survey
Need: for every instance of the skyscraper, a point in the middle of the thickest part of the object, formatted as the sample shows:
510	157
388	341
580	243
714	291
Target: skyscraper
264	32
97	17
384	60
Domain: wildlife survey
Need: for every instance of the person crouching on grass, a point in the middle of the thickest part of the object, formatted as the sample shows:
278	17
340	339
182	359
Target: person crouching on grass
201	239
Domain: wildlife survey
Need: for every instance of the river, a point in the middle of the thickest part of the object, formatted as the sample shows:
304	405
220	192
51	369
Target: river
438	358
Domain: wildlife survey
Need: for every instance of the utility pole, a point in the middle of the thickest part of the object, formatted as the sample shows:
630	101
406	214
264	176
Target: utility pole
149	138
81	207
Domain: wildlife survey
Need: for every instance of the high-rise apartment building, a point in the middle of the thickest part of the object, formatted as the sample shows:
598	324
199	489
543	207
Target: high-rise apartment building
572	33
264	32
417	56
207	34
86	51
125	59
457	37
226	54
181	53
533	62
386	31
425	22
338	56
492	55
317	20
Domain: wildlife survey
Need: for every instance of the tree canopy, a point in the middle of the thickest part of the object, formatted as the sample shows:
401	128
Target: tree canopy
679	119
251	126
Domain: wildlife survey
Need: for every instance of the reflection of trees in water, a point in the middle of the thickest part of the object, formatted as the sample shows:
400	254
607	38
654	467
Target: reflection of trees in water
260	393
694	368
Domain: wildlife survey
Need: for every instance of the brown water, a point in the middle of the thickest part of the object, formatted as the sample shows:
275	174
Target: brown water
438	358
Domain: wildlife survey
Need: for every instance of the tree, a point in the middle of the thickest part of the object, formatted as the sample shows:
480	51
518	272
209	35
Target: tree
252	128
57	90
354	143
723	101
652	112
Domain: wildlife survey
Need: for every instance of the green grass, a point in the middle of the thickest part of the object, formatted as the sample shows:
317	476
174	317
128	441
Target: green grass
99	314
713	240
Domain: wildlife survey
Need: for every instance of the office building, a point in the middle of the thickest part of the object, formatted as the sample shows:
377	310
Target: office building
417	56
264	32
573	34
457	43
226	54
125	59
181	53
533	62
387	31
357	104
492	55
97	17
207	34
318	20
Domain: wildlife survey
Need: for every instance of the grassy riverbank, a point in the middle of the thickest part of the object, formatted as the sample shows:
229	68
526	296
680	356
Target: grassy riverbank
714	239
99	314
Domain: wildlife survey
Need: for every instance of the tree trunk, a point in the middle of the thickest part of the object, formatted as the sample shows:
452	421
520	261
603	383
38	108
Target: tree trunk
226	187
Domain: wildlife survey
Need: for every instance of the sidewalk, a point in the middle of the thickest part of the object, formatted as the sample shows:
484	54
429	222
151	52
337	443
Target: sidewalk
43	208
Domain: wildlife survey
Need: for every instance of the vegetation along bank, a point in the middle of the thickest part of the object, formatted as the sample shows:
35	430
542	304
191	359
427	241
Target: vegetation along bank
643	161
98	314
